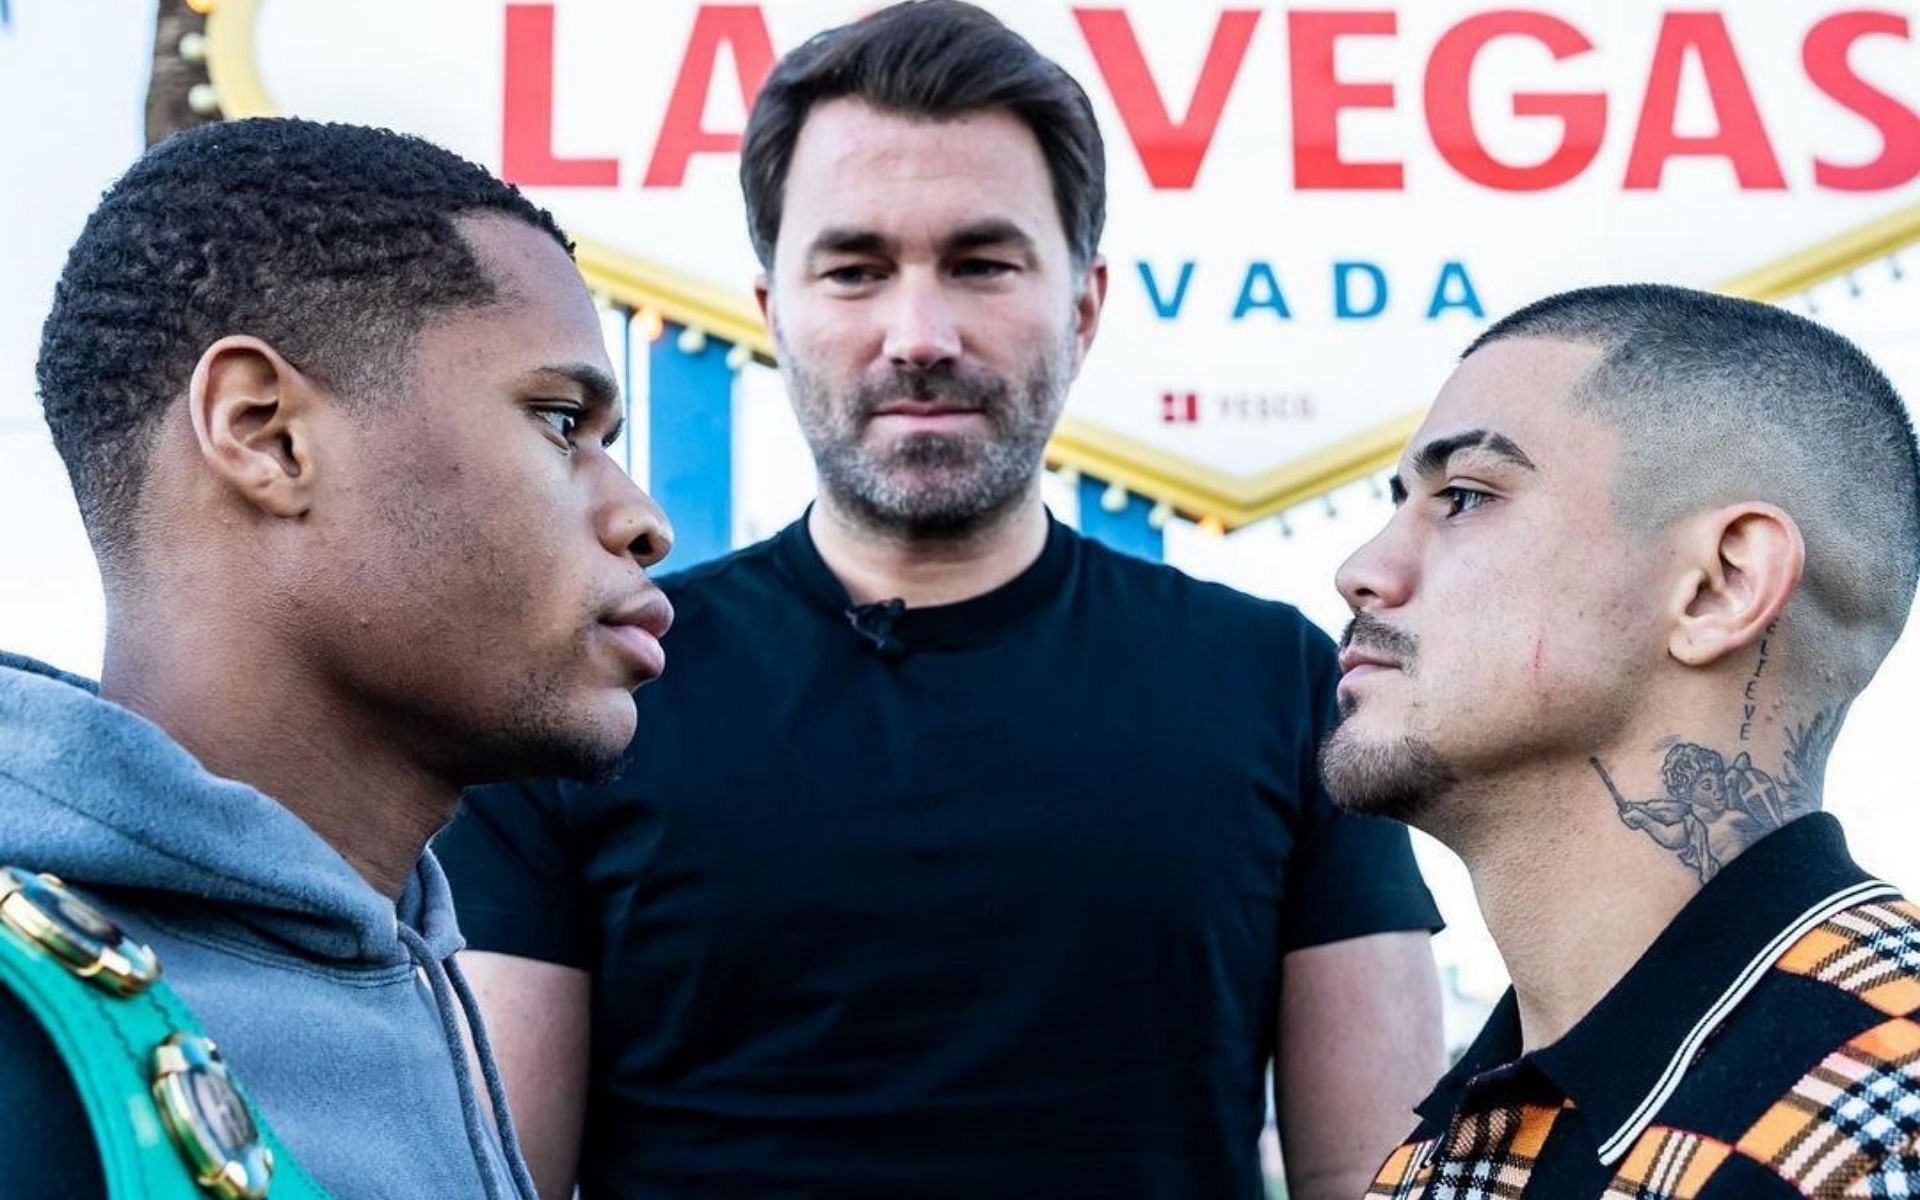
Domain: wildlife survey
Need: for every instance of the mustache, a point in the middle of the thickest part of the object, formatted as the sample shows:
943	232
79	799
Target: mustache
939	383
1371	634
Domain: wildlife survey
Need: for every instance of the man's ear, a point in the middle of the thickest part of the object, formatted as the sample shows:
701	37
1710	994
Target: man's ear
763	296
253	420
1742	564
1087	303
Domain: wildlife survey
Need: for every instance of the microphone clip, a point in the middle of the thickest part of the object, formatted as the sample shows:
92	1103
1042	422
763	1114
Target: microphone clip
875	623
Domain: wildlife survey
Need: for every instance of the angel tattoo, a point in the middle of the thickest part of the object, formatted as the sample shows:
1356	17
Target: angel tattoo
1714	809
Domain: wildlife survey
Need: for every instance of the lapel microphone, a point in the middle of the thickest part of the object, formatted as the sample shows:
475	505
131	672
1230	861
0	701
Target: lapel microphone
875	623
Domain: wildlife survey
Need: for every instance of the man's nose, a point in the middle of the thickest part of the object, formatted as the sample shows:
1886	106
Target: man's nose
921	329
1378	574
631	523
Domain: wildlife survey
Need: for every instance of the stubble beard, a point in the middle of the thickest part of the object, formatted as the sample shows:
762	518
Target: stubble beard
931	484
1400	779
543	725
534	721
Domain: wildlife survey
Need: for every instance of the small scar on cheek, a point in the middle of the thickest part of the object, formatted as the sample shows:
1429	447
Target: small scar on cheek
1539	654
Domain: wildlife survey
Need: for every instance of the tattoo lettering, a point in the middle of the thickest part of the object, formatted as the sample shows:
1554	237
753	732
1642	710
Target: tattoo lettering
1714	809
1750	699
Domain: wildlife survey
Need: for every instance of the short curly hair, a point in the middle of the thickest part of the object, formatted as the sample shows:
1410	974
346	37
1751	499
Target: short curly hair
335	244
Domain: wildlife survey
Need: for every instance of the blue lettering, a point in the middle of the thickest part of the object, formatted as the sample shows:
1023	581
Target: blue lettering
1167	308
1343	306
1455	290
1268	295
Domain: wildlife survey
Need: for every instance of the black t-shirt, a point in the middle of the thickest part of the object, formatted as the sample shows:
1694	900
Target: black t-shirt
987	900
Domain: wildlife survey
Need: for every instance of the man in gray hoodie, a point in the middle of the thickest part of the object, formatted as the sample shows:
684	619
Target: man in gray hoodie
335	405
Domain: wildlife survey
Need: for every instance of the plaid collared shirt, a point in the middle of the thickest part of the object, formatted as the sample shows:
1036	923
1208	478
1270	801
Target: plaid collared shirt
1766	1045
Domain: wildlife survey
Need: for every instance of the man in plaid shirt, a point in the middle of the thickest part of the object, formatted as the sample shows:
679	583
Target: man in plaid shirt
1650	544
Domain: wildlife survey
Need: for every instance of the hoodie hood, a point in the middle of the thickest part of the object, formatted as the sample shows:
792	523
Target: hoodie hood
336	993
102	797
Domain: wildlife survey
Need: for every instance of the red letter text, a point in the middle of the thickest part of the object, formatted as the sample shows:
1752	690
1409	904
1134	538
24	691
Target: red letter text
1742	139
1170	153
1319	96
526	119
1825	55
741	29
1582	115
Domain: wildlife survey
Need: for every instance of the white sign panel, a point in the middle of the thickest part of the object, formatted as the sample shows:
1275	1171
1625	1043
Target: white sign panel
1313	207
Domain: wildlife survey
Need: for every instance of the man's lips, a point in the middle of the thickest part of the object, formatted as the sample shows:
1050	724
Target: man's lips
924	408
1356	665
637	627
1354	658
916	413
649	611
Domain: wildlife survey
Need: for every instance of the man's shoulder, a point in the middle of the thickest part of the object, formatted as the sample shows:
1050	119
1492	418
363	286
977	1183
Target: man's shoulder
747	569
1114	577
1870	951
746	584
1848	1121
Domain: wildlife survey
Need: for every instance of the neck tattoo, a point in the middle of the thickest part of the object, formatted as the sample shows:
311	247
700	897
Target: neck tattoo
1714	808
1750	699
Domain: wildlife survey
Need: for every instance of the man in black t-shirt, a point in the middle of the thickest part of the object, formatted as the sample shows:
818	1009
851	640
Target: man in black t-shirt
960	856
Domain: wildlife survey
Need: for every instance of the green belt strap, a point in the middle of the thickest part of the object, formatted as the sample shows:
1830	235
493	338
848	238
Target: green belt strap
108	1043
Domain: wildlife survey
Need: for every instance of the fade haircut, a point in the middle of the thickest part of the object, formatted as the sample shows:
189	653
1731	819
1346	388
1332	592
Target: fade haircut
1721	400
334	244
934	60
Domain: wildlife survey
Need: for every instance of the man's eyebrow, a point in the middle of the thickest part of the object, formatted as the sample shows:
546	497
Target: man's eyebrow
840	239
994	231
1433	457
600	389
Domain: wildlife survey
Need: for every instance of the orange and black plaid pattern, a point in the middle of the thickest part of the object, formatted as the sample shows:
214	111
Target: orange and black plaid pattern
1661	1102
1872	952
1667	1164
1851	1127
1490	1155
1404	1173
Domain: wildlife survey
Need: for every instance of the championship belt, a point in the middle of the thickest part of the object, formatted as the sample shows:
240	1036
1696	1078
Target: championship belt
169	1122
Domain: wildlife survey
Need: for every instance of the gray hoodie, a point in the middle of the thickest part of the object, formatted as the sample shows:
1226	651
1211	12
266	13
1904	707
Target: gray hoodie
339	1013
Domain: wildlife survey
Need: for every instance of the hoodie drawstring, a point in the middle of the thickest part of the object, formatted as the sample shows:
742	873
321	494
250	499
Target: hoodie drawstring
443	998
490	1071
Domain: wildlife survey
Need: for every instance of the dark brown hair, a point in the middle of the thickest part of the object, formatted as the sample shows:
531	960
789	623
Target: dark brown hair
937	59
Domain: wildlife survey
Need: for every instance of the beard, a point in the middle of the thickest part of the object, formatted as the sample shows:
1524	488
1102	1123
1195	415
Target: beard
939	484
1399	780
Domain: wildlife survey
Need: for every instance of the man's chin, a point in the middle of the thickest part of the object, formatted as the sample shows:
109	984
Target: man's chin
585	759
1398	778
926	500
588	743
594	750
